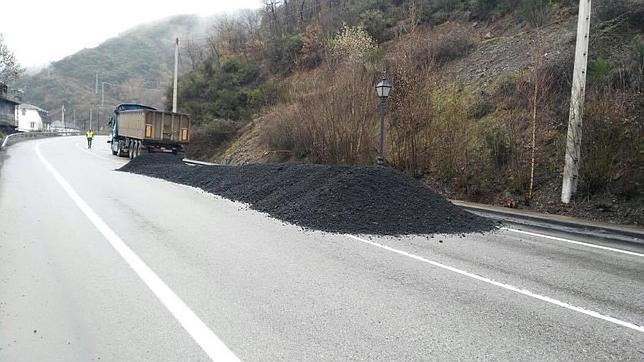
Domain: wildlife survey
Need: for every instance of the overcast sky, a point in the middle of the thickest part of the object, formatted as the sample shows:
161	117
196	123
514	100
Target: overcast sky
41	31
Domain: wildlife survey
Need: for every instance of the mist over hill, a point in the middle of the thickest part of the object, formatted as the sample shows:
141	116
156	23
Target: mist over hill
136	66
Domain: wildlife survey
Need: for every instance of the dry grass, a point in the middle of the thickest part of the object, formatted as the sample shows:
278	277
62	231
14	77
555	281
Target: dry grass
330	117
612	145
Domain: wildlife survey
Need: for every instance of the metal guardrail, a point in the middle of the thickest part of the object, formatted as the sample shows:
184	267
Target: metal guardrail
21	136
620	233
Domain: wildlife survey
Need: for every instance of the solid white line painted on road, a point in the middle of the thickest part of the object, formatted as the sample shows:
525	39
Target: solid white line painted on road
574	242
504	286
197	329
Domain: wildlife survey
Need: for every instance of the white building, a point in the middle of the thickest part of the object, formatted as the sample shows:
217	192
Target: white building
30	118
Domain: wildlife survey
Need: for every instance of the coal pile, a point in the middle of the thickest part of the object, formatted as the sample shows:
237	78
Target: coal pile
343	199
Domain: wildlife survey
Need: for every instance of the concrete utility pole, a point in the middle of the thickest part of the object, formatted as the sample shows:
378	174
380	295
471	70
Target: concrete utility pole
98	114
100	109
102	103
102	94
90	118
176	70
62	112
578	94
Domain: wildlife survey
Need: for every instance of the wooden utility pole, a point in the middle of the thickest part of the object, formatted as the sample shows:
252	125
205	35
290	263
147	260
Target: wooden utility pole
62	112
176	70
573	140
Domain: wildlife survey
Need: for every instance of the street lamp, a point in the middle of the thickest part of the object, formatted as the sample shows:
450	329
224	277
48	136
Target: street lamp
382	88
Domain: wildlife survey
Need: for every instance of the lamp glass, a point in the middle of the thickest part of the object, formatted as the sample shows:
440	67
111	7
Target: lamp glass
383	88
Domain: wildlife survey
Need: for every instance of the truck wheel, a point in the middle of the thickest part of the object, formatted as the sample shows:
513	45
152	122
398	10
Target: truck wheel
139	148
135	149
130	150
122	153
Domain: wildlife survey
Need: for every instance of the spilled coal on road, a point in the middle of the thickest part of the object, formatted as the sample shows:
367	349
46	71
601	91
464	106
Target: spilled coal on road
342	199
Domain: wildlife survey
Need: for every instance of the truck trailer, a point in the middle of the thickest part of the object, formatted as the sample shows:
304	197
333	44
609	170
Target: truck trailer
137	128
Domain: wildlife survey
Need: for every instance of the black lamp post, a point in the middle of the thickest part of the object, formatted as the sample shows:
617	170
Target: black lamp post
382	88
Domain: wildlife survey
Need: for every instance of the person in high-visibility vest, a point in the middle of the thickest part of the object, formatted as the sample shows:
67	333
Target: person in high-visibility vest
89	134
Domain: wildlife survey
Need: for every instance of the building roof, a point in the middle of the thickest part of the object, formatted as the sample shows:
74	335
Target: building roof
7	100
31	106
7	95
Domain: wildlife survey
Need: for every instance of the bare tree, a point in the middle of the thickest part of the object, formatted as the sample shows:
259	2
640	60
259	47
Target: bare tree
250	21
10	70
213	48
302	2
194	52
542	80
270	11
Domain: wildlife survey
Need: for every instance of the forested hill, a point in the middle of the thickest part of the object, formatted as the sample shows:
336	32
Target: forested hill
136	66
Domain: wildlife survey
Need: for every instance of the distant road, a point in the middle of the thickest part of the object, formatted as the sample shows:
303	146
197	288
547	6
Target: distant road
99	264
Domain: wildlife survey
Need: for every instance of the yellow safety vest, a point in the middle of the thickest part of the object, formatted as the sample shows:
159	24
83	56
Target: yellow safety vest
89	135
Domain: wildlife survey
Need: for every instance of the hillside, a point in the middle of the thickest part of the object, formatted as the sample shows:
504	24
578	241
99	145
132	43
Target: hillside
137	66
473	82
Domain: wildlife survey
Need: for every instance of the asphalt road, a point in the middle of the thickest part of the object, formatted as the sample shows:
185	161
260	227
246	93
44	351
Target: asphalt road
99	264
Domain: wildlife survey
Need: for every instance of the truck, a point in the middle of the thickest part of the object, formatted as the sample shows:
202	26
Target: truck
136	128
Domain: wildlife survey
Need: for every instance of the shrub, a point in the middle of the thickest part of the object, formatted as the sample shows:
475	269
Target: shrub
446	48
375	22
323	124
599	72
481	106
486	9
448	136
281	52
293	48
612	152
451	46
210	137
607	10
449	5
232	90
351	44
535	12
277	132
312	50
638	56
410	118
498	146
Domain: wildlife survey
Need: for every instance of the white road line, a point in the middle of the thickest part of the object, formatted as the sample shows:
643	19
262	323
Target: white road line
208	341
574	242
504	286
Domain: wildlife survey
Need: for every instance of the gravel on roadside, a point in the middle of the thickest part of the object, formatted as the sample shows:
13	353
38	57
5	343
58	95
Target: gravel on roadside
342	199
